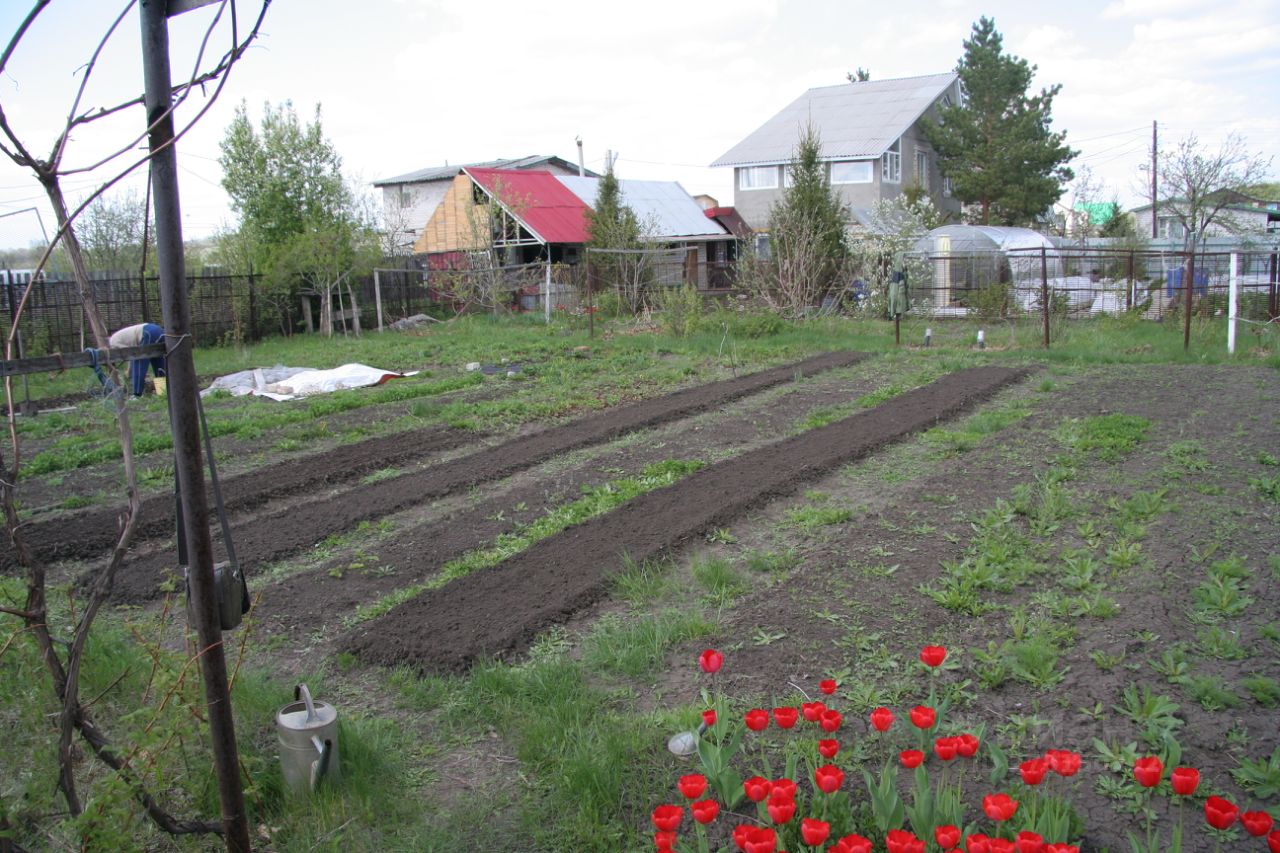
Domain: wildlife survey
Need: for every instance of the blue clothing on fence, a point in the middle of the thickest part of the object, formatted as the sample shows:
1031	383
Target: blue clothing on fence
151	334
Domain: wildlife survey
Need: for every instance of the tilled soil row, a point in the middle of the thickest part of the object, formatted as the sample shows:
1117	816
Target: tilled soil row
282	534
499	611
89	534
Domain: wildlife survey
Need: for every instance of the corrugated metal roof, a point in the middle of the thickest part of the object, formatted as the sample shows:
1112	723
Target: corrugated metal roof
854	120
546	207
665	204
440	173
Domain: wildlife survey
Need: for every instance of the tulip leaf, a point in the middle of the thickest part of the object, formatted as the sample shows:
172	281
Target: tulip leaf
999	762
730	785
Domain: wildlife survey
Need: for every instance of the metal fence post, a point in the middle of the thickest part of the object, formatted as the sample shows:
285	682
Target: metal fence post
1232	285
1044	292
1128	291
1186	321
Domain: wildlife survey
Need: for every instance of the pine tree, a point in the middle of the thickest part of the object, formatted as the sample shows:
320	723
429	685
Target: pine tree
611	224
997	147
807	227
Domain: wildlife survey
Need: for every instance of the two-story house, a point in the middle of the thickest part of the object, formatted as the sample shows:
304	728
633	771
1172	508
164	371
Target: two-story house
873	145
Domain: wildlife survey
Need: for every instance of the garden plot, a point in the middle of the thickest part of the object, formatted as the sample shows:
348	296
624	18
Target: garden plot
269	537
1104	573
499	611
91	533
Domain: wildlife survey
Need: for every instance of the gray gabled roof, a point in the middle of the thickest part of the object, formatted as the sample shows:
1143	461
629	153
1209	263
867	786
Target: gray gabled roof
664	204
441	173
856	121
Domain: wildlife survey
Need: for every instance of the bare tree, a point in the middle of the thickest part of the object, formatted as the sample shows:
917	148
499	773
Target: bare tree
1198	186
114	233
64	659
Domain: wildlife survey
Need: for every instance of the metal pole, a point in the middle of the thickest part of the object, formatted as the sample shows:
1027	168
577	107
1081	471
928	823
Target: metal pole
1128	293
1191	272
377	297
1044	293
1154	165
1232	284
185	425
546	293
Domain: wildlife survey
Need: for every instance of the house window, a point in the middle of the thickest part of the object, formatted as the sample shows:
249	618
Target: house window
891	163
922	169
758	178
851	172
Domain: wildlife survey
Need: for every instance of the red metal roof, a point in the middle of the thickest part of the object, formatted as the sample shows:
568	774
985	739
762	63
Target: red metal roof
543	205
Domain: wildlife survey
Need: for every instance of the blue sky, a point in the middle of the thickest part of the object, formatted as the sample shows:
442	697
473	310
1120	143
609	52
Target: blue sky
670	85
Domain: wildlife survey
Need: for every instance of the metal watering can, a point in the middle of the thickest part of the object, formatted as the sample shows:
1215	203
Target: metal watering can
308	734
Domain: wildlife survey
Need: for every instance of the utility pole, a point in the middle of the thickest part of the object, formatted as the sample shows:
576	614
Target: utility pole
1154	150
185	424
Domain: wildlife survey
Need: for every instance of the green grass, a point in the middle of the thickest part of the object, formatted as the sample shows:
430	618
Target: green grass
1107	436
634	646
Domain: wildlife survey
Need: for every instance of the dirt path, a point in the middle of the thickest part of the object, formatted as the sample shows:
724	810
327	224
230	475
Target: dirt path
89	534
499	611
274	536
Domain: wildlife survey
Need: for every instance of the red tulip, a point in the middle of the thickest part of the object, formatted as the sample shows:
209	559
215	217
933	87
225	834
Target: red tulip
911	758
812	711
781	809
977	843
999	807
705	811
1061	848
783	787
1148	771
1184	780
946	748
967	745
710	660
1033	770
740	833
1030	842
933	655
757	788
1273	841
668	817
692	785
828	687
923	717
901	841
761	839
709	717
1064	762
785	717
757	719
947	836
852	844
830	720
828	778
1002	845
1220	813
1256	823
814	832
664	841
828	748
881	719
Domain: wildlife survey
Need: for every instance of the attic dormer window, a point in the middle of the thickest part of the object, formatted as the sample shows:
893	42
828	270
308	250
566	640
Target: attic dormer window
891	163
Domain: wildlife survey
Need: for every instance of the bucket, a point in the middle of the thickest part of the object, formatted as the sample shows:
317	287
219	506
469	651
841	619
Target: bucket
308	735
162	386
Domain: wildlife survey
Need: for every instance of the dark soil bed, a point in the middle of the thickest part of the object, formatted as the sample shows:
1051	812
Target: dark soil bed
89	534
277	535
499	611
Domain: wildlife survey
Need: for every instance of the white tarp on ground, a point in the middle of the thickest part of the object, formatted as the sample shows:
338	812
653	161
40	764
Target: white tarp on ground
288	383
